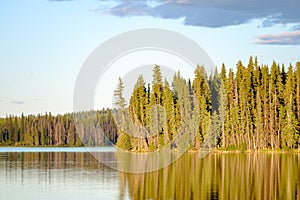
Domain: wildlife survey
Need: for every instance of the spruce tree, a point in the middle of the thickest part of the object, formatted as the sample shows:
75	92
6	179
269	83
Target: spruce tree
155	110
124	139
168	104
202	97
297	92
290	131
138	111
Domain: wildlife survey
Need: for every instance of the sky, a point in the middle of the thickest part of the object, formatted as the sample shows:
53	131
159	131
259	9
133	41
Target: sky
43	44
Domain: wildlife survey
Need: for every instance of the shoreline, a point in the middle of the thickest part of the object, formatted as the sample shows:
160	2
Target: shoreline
258	151
216	150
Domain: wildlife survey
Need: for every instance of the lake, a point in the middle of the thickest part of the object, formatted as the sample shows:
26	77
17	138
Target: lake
73	173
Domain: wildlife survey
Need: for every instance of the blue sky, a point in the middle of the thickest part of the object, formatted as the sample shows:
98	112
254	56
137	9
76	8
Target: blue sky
45	43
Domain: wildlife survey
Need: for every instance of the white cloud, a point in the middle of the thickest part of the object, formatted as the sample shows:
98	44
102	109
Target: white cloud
284	38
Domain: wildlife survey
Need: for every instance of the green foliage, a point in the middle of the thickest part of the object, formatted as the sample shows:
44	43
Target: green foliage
242	147
231	147
60	130
118	94
255	108
203	103
124	141
258	107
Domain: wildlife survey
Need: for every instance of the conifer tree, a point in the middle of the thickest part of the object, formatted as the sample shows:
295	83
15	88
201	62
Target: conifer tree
266	110
290	131
258	112
188	126
155	109
222	106
168	104
124	139
203	98
138	111
297	91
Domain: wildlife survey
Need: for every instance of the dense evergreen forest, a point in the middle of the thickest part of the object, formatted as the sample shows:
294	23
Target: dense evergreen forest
254	106
74	129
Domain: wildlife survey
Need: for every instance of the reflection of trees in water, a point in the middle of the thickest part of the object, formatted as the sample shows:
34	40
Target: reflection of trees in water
220	176
50	160
217	176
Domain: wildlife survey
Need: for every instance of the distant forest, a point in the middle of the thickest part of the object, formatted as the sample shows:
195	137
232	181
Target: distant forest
252	107
59	130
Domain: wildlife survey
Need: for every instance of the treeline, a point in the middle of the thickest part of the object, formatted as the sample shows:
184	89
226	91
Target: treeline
73	129
255	107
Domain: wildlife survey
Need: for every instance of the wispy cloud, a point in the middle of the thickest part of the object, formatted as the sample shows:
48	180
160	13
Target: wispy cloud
17	102
213	13
296	27
284	38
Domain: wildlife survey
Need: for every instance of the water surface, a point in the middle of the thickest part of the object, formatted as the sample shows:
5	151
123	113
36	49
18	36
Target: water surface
73	173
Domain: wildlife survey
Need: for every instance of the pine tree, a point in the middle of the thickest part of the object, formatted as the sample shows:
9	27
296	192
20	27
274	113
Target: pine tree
290	131
258	112
232	120
266	111
243	90
168	104
223	106
15	130
203	100
118	94
138	111
274	105
155	110
189	122
71	134
297	92
124	139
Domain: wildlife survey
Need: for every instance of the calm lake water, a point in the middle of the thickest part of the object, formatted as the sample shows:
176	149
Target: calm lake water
73	173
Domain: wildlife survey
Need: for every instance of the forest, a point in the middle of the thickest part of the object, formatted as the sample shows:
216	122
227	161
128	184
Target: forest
92	128
253	106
